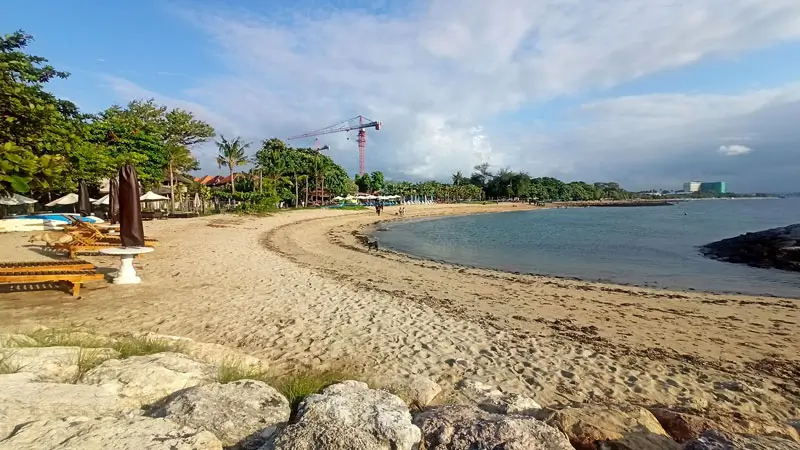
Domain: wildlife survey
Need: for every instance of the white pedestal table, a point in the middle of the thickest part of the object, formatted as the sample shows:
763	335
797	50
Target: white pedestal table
126	273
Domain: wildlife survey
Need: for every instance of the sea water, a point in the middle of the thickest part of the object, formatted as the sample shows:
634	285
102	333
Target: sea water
643	246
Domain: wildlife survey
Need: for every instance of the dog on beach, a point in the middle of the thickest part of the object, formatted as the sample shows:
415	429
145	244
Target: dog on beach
50	238
371	245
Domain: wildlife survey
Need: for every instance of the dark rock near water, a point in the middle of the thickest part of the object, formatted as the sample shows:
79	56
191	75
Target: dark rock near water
777	248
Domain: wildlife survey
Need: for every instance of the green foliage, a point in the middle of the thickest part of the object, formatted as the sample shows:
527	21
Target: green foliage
48	145
231	155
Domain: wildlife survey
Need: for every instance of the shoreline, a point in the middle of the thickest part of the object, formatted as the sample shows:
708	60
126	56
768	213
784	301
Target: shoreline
315	296
571	313
371	231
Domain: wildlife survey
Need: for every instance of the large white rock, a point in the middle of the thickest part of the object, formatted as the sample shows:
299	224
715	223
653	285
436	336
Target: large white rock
147	379
349	416
493	400
22	400
133	433
55	364
243	413
467	427
418	390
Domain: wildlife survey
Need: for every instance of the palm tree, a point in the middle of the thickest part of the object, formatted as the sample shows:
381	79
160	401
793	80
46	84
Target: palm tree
179	160
231	154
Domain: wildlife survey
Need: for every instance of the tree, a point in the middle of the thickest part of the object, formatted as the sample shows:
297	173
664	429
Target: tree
181	132
35	131
459	179
364	183
176	129
377	182
231	154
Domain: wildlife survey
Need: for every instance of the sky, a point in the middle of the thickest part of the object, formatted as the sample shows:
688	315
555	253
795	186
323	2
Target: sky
648	93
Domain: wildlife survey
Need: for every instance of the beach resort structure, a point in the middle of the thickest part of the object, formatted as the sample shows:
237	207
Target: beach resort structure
716	187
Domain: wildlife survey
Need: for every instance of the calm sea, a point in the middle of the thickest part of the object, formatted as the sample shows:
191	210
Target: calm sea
648	246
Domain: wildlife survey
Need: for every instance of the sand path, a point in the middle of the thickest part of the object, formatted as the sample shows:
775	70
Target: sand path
299	303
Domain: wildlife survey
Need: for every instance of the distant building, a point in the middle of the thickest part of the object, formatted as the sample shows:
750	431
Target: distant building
716	187
692	186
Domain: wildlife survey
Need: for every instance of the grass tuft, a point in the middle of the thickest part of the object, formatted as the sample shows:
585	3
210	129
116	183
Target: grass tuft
87	360
6	366
66	338
231	370
143	345
294	385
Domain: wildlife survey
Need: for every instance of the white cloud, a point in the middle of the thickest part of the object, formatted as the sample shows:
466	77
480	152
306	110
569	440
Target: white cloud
442	75
734	150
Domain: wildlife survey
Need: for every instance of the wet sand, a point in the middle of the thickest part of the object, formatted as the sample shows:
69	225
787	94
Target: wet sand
298	288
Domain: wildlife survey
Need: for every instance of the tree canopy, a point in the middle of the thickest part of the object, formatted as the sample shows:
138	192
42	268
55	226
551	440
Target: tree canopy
49	145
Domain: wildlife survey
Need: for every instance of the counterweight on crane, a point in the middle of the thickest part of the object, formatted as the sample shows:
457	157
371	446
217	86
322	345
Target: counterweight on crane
359	123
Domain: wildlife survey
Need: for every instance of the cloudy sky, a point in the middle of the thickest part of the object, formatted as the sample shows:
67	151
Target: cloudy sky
650	93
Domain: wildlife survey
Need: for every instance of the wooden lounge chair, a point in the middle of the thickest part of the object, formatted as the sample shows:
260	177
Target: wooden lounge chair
45	266
87	238
49	272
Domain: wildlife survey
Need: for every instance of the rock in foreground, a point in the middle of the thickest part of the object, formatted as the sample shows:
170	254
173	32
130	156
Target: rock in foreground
467	427
242	414
349	416
715	440
622	427
147	379
135	433
774	248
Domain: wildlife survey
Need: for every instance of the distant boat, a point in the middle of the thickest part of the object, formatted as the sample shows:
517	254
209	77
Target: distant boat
42	222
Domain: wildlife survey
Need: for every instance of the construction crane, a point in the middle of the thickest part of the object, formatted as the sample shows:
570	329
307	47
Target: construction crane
359	123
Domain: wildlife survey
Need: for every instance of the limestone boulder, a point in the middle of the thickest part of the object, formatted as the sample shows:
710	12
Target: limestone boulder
208	352
716	440
684	426
242	414
22	401
417	390
349	416
16	340
132	433
467	427
493	400
147	379
594	427
55	364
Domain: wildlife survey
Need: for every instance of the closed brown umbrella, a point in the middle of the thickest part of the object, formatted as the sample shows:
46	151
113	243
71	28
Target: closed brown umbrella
131	229
113	201
84	202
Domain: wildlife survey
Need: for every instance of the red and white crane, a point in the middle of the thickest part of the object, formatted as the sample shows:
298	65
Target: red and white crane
359	123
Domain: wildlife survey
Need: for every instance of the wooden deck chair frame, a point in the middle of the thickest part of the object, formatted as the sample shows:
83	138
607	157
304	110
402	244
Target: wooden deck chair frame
74	277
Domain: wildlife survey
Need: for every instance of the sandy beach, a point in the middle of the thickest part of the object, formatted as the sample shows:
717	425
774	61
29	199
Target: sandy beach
298	288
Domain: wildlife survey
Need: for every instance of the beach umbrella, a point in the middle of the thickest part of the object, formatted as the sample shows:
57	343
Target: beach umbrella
84	202
16	200
102	200
113	201
69	199
151	196
197	203
131	229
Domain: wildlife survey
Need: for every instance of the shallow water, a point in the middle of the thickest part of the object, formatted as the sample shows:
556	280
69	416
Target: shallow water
647	246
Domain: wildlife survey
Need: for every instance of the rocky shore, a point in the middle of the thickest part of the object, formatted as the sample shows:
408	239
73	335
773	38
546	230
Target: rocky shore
79	390
777	248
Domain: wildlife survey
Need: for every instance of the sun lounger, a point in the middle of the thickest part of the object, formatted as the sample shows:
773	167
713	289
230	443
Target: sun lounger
45	266
40	273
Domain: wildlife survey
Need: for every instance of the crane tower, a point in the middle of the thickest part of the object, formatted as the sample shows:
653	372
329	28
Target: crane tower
359	123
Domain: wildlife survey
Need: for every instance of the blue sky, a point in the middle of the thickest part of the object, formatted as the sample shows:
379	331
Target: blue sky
646	92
